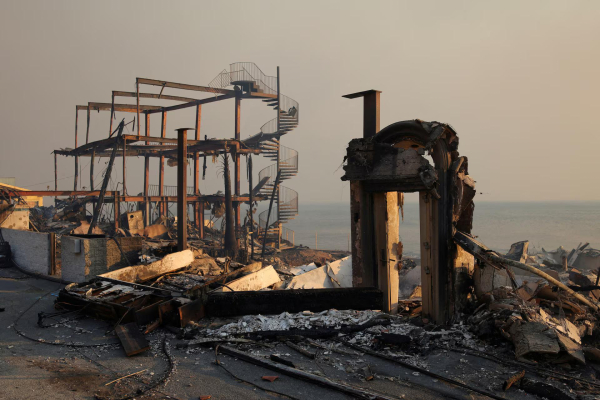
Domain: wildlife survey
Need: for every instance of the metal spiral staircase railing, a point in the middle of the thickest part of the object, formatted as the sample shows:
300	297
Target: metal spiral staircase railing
248	76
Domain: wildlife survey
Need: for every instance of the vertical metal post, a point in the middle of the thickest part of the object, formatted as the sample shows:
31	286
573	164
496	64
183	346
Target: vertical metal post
112	113
201	221
197	170
55	178
76	157
137	92
124	167
87	128
161	172
371	108
92	170
278	158
147	175
250	202
182	189
92	176
236	158
117	206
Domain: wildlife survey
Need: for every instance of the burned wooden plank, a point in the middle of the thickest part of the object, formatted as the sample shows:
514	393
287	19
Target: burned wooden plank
296	373
229	304
192	311
132	339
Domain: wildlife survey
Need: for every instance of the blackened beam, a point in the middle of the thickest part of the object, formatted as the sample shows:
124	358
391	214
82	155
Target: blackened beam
52	193
100	147
154	151
97	146
190	198
209	100
118	107
184	86
118	93
110	196
207	89
229	304
192	103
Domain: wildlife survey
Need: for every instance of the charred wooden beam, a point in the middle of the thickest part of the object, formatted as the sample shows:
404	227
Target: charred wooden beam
229	304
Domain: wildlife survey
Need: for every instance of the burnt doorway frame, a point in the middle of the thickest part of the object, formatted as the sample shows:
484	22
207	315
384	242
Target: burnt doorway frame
442	206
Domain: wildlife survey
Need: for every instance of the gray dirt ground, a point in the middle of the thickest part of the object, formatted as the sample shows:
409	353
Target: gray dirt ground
30	369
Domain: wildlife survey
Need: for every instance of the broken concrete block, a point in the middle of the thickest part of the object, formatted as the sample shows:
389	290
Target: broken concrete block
335	275
141	273
303	269
341	271
254	281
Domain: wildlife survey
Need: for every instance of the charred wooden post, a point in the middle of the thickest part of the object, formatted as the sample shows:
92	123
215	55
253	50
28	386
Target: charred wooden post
182	189
124	167
364	269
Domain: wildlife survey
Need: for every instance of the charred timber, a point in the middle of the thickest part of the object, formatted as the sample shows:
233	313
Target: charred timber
229	304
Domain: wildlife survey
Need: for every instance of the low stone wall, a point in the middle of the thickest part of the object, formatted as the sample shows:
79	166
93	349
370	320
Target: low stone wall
31	251
84	258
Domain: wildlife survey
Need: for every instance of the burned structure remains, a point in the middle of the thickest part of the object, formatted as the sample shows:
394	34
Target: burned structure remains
243	81
382	166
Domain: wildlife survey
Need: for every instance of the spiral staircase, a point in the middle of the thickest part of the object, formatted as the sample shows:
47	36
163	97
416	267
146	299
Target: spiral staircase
249	77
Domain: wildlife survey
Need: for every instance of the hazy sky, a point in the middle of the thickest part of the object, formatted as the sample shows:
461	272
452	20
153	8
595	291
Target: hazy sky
519	81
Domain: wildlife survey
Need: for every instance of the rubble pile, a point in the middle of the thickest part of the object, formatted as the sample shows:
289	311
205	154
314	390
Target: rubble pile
546	320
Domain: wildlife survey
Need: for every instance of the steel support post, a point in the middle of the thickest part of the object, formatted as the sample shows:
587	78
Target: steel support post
182	189
278	159
197	170
161	172
147	175
238	103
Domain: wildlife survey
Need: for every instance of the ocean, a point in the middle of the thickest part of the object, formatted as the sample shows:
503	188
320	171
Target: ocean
498	225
